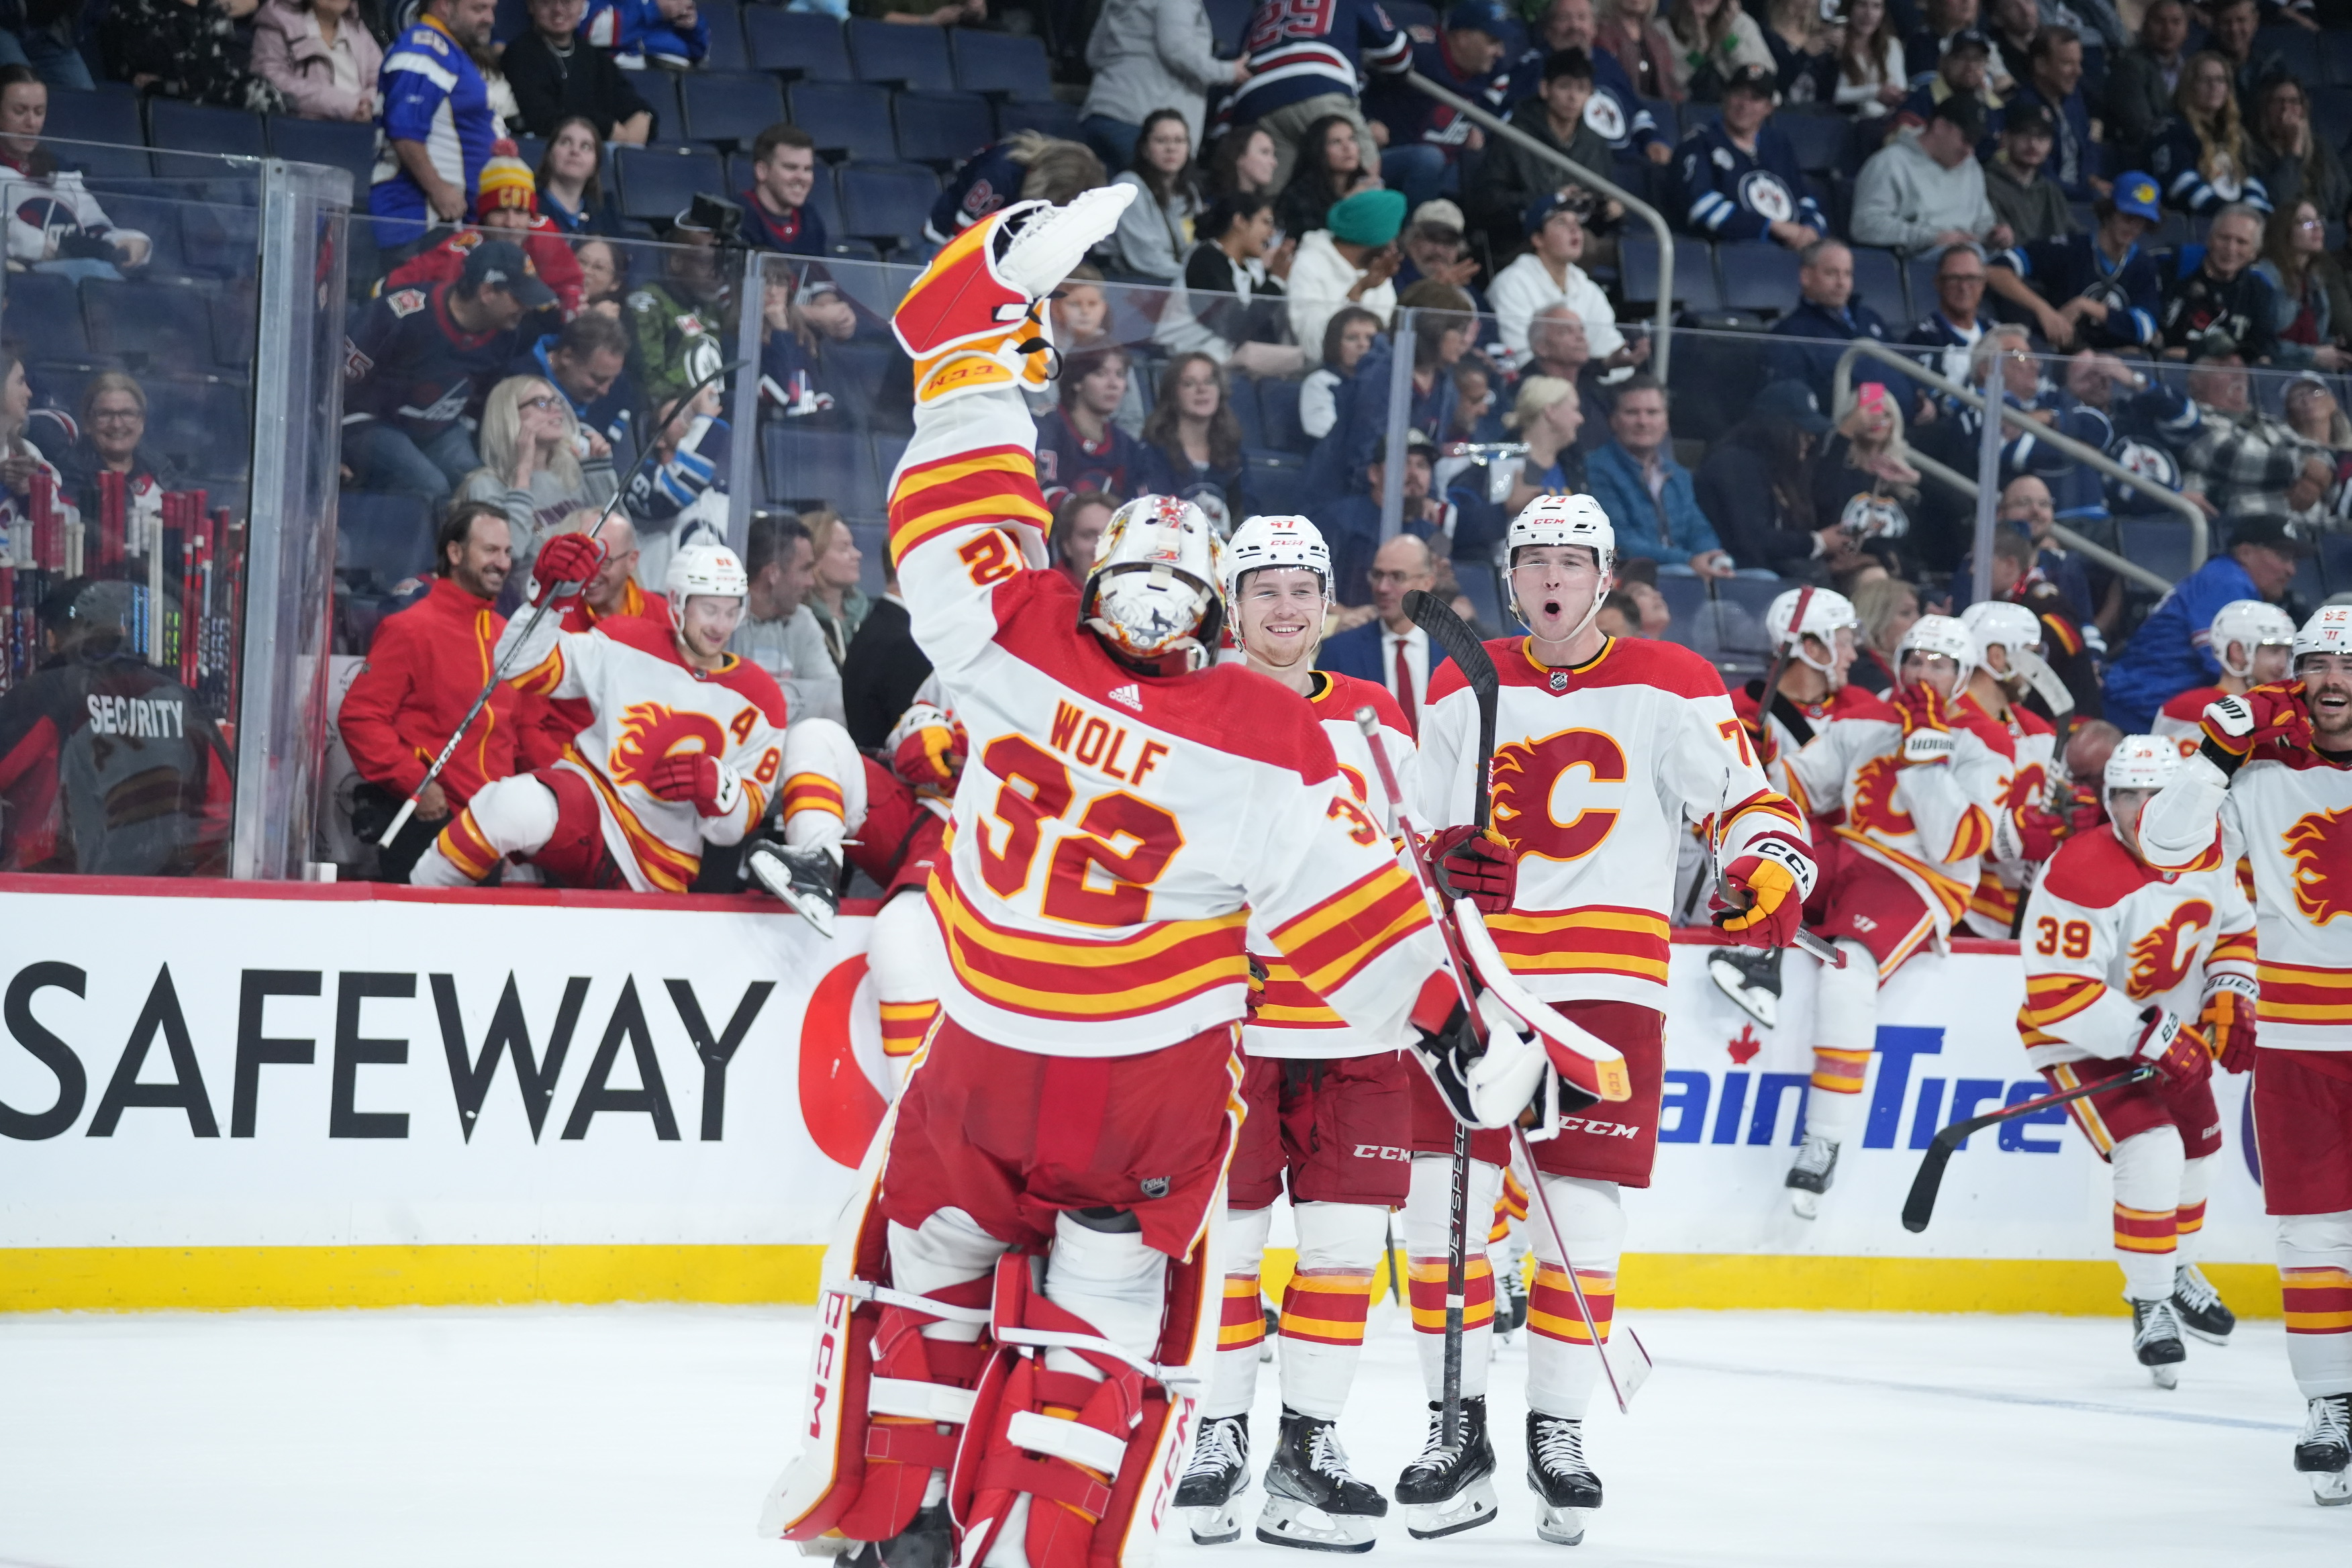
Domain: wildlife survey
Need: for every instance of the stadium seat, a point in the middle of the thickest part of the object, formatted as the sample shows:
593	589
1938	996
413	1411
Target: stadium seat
43	319
235	312
1050	118
1758	277
912	58
336	144
727	50
728	109
657	183
1816	139
887	203
828	467
801	43
2335	562
1878	283
511	22
176	127
382	540
203	427
941	128
2335	53
219	240
849	119
111	119
2160	544
658	87
1242	398
1275	482
1007	65
1695	285
167	324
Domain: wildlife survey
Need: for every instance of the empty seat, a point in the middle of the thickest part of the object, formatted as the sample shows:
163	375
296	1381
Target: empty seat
336	144
1759	277
203	426
728	109
1878	283
796	44
1694	280
659	182
1050	118
727	50
43	318
887	203
220	241
658	87
1228	21
235	315
176	127
95	117
1242	399
941	128
2160	544
1816	139
1275	483
162	323
1009	65
848	118
382	540
913	58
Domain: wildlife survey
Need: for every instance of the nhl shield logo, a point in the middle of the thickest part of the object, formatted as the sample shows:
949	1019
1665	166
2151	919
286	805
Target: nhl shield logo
1559	681
1155	1186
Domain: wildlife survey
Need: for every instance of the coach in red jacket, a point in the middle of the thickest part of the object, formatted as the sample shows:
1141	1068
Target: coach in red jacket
427	665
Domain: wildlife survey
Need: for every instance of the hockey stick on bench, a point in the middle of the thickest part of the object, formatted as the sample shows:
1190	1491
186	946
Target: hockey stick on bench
1920	1206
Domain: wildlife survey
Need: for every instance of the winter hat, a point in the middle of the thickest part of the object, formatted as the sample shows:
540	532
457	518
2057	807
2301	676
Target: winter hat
1368	217
507	183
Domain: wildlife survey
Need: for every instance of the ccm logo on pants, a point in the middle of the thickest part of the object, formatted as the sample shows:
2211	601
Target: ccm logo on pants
1382	1152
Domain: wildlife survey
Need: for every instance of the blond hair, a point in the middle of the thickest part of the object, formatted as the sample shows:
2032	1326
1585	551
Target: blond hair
501	430
1536	393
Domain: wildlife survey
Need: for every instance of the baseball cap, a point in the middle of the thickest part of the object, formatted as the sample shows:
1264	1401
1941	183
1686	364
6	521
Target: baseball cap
2272	533
1440	211
2027	117
1485	17
1964	113
1753	79
1969	38
500	264
1794	402
1541	210
1417	440
2136	193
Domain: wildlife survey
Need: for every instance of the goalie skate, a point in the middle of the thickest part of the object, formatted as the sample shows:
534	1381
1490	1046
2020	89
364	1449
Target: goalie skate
1214	1479
2323	1451
1751	978
1450	1487
1312	1499
806	880
2156	1341
1563	1483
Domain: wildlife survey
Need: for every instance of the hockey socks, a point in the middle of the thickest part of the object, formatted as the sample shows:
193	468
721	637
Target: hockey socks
1426	1227
1325	1305
1562	1368
2316	1282
1240	1324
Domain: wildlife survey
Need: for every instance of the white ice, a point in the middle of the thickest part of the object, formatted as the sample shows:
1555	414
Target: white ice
644	1437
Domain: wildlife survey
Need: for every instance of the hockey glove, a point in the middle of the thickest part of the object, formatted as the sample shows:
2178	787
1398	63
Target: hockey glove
1508	1078
2228	1021
1926	734
930	752
565	565
2234	726
699	777
1773	881
1475	864
2179	1052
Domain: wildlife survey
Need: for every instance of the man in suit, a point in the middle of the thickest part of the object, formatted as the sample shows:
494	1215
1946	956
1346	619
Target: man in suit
883	670
1389	649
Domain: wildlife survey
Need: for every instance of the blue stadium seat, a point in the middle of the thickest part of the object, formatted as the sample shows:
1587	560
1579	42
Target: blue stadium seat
204	426
1008	65
167	323
2160	544
1759	277
658	87
941	128
1228	21
1243	399
848	118
176	127
728	109
1051	119
1878	283
657	183
801	43
1637	271
727	50
512	21
2331	112
43	319
110	116
832	468
2335	55
887	203
1275	482
2335	562
912	58
1818	138
337	144
1277	404
381	540
219	240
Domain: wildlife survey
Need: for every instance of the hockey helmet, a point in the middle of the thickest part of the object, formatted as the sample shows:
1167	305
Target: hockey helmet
1825	613
1280	540
1997	623
705	568
2249	624
1945	636
1562	520
2329	630
1154	587
2139	761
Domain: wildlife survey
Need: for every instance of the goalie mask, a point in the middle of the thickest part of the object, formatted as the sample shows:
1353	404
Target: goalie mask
1826	613
2248	624
1563	519
1943	635
699	570
2012	628
1153	589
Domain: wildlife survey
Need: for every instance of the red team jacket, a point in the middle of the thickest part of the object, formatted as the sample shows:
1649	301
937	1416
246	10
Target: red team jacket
426	667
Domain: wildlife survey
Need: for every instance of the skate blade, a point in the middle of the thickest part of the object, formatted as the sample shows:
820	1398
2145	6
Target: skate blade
1469	1509
2167	1375
778	881
1804	1204
1561	1526
1286	1521
1760	1004
2330	1488
1214	1526
2205	1335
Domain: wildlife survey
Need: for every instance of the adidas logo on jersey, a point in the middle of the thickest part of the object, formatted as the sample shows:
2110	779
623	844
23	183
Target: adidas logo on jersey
1129	697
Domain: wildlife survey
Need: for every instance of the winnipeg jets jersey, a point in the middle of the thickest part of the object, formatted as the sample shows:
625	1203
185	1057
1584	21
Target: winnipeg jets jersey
2028	751
2289	812
1595	773
647	703
1113	831
1291	1020
2107	936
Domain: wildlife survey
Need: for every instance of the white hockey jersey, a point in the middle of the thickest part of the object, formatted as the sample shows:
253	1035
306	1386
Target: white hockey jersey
645	703
1291	1020
1596	771
2021	838
1114	831
2289	812
2107	936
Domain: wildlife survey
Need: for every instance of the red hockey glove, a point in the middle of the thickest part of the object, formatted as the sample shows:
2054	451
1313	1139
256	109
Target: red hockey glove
2236	725
699	777
930	757
1772	879
2040	832
1926	734
565	565
1475	864
2178	1051
2228	1022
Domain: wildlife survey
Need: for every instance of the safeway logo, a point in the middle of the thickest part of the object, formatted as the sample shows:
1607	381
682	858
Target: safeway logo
1129	697
839	1104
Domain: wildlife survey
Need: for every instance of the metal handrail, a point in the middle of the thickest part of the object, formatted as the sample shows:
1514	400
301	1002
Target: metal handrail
1661	331
2199	530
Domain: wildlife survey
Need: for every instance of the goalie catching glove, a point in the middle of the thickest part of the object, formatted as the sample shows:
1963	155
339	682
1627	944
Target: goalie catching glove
699	777
1765	891
2177	1050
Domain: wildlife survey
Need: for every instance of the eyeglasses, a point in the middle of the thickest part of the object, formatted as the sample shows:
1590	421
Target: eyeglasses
544	404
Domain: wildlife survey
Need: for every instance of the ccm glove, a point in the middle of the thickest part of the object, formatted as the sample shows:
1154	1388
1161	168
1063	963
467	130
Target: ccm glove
2178	1051
699	777
2227	1021
565	565
1771	883
2234	726
1476	865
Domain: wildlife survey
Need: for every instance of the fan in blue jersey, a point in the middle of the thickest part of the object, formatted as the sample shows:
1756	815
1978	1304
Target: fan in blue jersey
438	121
1426	139
669	32
1028	166
1302	57
1739	178
2098	290
1614	112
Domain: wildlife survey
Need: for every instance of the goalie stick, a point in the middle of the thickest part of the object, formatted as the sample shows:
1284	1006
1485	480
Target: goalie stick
1920	1206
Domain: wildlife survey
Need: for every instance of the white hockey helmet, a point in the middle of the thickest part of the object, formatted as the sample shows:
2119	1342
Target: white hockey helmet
1280	540
1825	613
1562	520
704	567
2329	630
1943	635
1154	588
1997	623
2139	761
2249	624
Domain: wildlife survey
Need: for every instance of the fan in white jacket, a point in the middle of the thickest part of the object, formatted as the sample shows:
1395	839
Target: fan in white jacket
1548	275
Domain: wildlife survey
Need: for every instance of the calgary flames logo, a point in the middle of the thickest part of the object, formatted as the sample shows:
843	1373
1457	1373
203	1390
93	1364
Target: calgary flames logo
2321	844
1874	809
2026	787
1526	774
2160	959
651	731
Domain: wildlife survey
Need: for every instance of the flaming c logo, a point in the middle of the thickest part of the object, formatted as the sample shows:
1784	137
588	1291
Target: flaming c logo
2026	785
2321	844
1875	810
651	731
1526	774
2160	959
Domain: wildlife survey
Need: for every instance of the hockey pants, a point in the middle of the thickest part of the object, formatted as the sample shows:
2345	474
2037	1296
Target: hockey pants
515	815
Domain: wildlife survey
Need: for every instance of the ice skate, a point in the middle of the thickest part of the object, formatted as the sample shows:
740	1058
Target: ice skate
928	1543
2198	1305
1811	1176
1312	1499
2155	1340
808	880
1450	1488
1217	1475
1563	1483
1751	978
1511	1304
2324	1450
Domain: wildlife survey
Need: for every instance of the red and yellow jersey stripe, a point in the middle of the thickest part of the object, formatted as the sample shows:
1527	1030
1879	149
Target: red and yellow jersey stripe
1289	1002
667	866
1599	938
1948	892
1067	979
2052	999
2302	993
1972	837
1331	943
992	484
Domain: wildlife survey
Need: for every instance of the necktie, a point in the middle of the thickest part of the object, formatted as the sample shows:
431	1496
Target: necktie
1404	694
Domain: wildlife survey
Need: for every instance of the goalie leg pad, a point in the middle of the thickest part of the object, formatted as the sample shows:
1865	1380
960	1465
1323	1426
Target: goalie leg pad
1562	1370
2315	1254
1427	1228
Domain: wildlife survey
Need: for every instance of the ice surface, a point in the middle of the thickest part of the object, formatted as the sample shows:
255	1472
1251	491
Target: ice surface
646	1436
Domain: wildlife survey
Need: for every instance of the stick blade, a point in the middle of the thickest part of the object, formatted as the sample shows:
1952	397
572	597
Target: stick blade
1919	1207
1634	1367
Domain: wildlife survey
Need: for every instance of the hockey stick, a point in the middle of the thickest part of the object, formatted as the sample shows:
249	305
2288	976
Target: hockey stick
1920	1206
499	672
1637	1371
